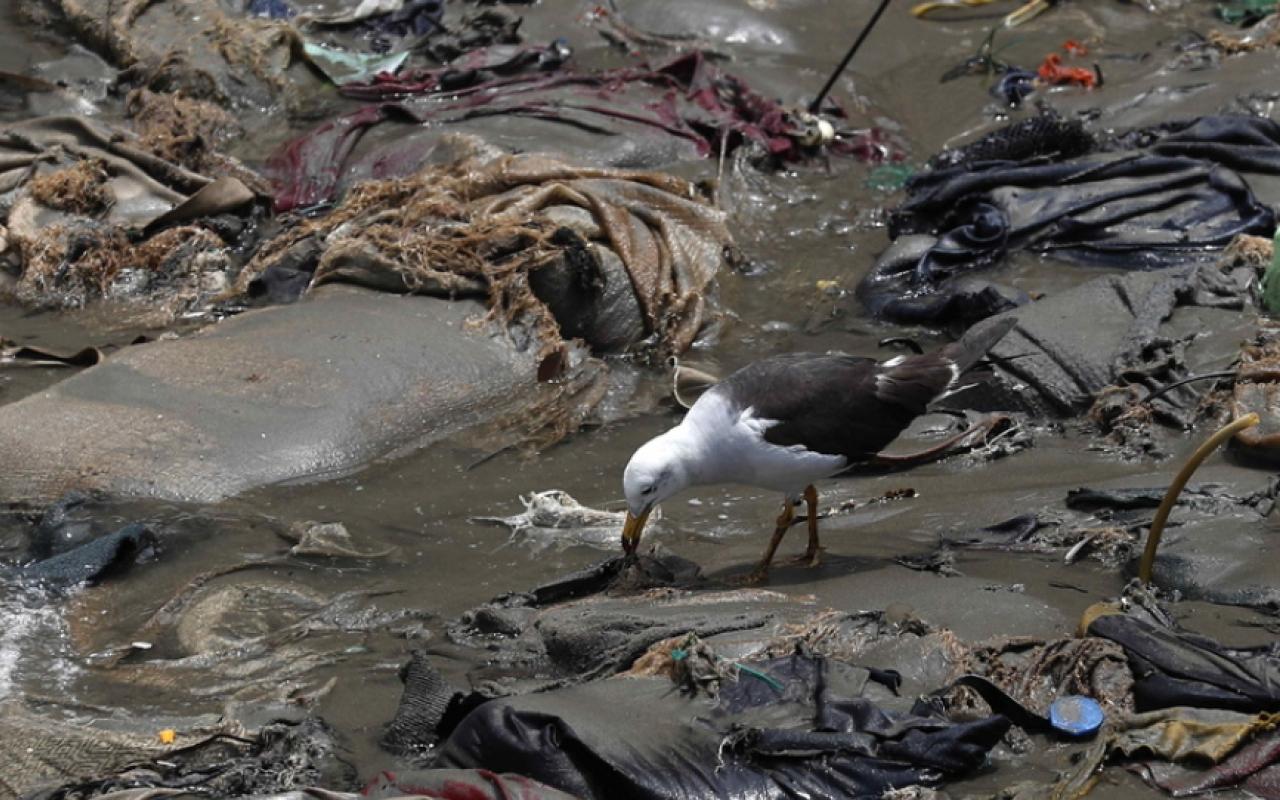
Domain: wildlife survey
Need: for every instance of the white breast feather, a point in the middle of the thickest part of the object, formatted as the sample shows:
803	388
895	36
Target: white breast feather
734	449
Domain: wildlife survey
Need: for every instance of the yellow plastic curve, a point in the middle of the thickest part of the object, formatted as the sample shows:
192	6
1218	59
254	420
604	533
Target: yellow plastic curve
1179	482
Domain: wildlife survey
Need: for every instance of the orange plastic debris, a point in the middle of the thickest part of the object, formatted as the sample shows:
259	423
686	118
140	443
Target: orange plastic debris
168	735
1052	72
1075	48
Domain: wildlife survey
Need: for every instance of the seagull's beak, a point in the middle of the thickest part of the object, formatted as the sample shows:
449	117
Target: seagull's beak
631	530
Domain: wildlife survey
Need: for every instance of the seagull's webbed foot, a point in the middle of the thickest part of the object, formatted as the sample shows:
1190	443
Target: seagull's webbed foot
810	558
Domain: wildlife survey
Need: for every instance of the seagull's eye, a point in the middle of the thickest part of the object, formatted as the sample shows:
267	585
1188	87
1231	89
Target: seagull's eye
648	489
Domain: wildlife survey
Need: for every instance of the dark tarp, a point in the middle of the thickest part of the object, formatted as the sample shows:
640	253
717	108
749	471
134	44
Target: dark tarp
1056	366
87	561
428	706
1152	199
795	727
1174	668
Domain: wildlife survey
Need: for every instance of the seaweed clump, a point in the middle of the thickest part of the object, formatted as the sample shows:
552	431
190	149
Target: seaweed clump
80	188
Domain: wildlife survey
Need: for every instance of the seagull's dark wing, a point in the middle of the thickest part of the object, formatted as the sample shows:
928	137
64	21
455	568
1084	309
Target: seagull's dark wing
837	405
847	405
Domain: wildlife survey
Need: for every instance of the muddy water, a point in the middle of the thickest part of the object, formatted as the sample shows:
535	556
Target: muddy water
798	228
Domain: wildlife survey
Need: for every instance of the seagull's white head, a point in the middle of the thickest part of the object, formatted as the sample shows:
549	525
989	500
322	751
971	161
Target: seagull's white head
655	472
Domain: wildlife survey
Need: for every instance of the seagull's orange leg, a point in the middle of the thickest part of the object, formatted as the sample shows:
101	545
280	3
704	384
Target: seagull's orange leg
813	553
761	573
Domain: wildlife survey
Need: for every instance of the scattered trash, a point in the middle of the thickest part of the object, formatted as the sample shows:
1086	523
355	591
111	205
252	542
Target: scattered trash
84	190
13	356
611	26
612	257
480	69
429	709
1024	13
1253	767
890	177
1265	35
1014	86
344	67
271	9
1076	716
430	10
1245	12
1253	392
538	289
224	760
941	561
687	99
803	722
88	561
1209	498
688	384
554	519
326	539
1181	204
924	9
1053	73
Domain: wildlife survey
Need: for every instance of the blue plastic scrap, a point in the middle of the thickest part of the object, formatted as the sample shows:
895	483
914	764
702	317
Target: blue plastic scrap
1076	715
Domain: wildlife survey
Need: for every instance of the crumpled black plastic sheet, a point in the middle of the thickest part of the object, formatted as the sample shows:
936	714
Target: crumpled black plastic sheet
87	561
1175	668
1171	197
796	732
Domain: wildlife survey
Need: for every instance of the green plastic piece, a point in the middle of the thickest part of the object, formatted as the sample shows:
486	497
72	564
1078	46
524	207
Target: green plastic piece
346	66
889	177
1245	12
773	682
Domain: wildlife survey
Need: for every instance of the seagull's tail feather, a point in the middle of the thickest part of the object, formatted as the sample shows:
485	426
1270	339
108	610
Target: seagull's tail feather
976	342
913	382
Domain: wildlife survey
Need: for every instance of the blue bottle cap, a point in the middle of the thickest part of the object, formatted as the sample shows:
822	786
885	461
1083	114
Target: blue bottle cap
1076	715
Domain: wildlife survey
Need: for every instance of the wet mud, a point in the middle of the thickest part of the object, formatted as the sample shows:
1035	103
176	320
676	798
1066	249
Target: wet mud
248	608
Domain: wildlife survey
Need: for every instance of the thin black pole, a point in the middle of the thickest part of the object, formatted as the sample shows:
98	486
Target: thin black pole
822	95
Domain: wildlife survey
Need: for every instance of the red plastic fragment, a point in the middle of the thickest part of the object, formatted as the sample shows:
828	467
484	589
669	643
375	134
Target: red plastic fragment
1052	72
1072	47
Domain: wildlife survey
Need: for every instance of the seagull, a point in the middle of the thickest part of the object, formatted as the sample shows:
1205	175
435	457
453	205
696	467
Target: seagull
783	422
